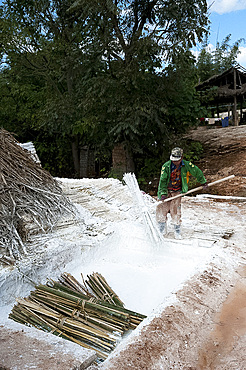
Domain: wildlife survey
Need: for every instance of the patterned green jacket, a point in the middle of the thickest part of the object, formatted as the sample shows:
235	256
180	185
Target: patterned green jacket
187	169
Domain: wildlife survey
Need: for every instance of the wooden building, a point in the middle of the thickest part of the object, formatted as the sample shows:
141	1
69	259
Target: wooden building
226	90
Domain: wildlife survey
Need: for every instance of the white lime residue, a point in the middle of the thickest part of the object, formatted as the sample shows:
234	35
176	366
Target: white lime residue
110	238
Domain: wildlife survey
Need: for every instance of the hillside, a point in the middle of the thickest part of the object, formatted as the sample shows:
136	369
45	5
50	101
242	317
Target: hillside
224	155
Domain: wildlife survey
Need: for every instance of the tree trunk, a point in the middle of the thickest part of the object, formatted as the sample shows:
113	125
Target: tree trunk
75	152
122	159
87	162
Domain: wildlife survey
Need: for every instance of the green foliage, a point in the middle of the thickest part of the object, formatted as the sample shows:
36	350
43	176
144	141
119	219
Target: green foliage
142	181
150	169
183	105
91	73
225	55
193	151
212	62
205	65
55	154
116	173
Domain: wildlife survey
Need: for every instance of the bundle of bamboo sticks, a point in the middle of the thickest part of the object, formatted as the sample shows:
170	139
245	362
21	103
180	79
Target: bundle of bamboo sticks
151	226
102	290
68	309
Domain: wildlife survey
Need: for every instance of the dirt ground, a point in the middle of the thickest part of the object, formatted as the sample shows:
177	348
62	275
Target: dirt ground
224	155
205	326
20	351
229	329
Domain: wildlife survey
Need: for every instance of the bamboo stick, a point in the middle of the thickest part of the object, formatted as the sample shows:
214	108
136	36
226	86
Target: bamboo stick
29	196
42	323
68	280
82	316
106	304
69	326
115	299
83	301
62	309
199	188
120	323
150	226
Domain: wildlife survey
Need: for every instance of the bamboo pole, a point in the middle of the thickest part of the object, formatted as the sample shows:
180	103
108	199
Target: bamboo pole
152	229
81	302
198	188
116	300
41	322
93	323
102	290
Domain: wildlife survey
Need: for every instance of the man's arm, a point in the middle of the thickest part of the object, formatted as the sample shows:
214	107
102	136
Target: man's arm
162	188
197	173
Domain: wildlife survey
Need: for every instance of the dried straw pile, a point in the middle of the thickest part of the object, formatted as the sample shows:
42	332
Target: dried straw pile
29	195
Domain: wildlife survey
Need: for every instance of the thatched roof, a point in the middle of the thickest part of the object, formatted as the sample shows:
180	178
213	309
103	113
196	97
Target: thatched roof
228	84
28	195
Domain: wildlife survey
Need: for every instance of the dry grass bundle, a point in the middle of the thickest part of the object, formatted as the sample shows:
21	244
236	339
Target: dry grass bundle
28	195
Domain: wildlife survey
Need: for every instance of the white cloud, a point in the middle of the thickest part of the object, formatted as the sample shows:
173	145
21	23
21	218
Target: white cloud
241	59
226	6
210	47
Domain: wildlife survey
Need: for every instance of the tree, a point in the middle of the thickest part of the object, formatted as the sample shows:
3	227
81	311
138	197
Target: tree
216	61
99	65
138	38
41	43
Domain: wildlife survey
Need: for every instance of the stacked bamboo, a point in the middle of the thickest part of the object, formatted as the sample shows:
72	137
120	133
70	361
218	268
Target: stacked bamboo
102	290
68	309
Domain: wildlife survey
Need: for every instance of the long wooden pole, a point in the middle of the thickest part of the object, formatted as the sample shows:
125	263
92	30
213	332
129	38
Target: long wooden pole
199	188
235	98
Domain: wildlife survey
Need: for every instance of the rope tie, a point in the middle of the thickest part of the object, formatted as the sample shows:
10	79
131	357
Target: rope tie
75	313
86	315
106	297
60	322
93	300
79	301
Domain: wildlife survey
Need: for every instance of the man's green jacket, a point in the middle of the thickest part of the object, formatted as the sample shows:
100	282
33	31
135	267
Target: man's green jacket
187	169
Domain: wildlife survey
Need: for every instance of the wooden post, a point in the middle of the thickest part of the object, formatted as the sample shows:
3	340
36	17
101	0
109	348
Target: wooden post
235	98
241	110
217	110
228	112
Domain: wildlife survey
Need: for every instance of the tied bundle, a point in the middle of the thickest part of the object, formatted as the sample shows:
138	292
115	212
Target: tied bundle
91	315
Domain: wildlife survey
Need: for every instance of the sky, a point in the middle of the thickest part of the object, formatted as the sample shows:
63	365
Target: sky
228	17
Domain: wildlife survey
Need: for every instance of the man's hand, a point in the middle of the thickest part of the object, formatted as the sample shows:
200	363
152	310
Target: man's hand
163	197
205	186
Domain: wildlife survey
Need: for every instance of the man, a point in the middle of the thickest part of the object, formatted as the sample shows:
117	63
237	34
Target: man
174	180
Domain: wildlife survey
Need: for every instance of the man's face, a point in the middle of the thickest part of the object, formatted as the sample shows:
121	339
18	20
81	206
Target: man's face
177	163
